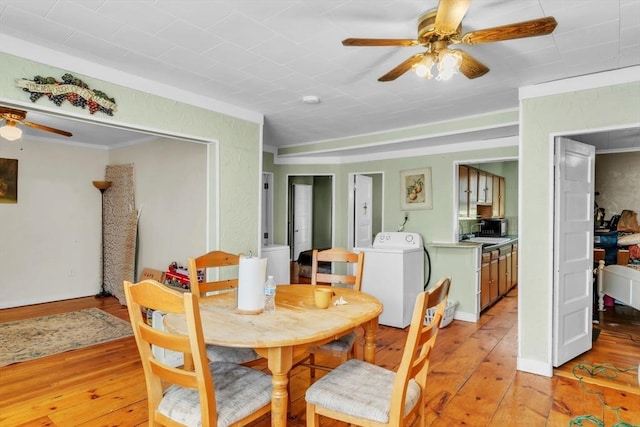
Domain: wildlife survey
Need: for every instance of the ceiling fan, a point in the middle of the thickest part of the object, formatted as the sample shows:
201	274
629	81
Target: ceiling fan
441	27
12	116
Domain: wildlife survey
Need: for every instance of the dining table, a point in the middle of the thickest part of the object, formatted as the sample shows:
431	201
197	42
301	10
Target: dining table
283	336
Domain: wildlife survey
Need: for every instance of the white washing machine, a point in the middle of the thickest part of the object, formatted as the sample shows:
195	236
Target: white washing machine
394	273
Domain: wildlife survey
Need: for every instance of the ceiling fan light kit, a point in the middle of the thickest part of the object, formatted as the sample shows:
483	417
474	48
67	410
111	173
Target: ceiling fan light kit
310	99
10	131
441	27
12	116
447	63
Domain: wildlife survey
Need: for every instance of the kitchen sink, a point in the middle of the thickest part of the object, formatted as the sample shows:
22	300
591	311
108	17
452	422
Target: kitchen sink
489	240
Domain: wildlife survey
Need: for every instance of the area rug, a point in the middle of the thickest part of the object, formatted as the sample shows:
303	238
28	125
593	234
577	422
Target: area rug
43	336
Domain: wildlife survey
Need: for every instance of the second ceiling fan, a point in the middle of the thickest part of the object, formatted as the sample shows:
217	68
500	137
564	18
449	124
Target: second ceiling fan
13	117
441	27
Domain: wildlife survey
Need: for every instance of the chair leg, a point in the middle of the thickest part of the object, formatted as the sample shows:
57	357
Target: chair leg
312	361
289	395
422	403
313	419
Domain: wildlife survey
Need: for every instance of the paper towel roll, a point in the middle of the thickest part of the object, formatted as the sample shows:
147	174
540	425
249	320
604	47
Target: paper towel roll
251	277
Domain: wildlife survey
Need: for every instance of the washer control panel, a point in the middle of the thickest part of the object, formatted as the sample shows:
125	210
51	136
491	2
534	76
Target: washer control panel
397	240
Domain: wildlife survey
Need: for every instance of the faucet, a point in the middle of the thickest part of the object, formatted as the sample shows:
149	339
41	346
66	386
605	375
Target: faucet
478	224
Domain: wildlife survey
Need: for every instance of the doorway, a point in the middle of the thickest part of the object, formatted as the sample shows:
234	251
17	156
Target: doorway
366	214
613	150
310	212
506	168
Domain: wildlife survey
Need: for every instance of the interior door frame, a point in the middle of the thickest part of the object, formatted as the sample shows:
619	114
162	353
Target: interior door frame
267	209
548	368
351	204
301	218
288	219
456	186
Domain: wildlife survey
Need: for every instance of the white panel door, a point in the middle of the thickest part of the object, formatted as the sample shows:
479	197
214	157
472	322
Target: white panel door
302	218
363	208
572	253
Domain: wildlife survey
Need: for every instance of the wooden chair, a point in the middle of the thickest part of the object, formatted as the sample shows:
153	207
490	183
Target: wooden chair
227	266
210	394
361	393
343	348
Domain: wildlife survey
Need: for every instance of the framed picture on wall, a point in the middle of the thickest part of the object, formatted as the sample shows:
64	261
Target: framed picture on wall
8	180
415	189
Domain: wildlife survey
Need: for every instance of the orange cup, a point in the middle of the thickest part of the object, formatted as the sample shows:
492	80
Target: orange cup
322	297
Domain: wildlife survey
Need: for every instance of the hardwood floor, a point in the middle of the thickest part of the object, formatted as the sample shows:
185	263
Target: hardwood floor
473	379
615	353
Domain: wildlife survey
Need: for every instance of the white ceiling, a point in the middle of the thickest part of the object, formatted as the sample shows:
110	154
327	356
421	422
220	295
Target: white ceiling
264	56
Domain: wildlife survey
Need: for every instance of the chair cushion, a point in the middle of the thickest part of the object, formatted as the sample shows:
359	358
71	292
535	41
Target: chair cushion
360	389
218	353
240	391
340	345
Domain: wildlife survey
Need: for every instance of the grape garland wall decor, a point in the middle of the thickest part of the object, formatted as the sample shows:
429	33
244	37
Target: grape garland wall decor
70	89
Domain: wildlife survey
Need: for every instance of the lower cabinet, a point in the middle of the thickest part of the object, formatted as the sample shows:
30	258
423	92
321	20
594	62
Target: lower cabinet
485	280
489	287
498	274
514	264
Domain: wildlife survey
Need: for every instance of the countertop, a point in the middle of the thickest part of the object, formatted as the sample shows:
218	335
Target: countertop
487	247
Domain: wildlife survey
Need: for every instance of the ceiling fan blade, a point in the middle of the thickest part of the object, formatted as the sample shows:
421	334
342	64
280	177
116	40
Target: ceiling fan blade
380	42
47	128
470	66
536	27
449	16
402	68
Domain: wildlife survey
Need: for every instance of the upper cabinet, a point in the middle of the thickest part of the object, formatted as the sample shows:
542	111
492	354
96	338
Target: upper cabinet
481	193
485	188
497	205
467	192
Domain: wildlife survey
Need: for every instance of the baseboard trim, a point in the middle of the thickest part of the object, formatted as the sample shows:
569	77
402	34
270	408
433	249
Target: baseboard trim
535	367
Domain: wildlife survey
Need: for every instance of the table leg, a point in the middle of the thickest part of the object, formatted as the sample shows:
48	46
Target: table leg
370	329
280	361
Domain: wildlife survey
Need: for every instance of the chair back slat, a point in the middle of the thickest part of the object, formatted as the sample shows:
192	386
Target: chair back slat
338	256
164	339
174	375
219	285
335	279
226	265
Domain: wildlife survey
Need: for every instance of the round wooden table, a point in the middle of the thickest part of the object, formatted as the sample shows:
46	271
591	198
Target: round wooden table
285	334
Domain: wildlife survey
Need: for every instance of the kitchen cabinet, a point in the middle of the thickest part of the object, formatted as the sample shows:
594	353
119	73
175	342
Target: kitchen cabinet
498	273
505	270
489	279
514	264
480	194
509	271
467	192
485	188
502	274
498	197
